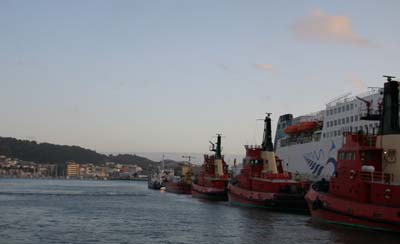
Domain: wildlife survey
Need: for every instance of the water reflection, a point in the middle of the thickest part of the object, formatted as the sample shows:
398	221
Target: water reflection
55	211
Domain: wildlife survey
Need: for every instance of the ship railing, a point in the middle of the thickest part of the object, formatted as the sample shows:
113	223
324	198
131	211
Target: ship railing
364	138
252	146
281	176
376	176
373	90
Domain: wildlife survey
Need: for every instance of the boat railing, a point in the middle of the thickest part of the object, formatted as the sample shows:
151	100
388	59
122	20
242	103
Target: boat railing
252	146
279	176
376	177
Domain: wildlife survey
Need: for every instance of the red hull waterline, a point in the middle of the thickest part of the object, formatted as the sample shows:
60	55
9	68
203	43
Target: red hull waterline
209	193
178	188
330	209
273	201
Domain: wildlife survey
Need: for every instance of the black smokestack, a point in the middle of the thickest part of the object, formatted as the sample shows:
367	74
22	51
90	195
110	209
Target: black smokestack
390	115
267	138
218	150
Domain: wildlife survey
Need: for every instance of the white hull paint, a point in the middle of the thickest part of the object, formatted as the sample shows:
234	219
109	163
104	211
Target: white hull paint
313	160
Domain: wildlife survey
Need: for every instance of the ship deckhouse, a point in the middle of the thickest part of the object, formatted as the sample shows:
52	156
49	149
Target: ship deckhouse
308	144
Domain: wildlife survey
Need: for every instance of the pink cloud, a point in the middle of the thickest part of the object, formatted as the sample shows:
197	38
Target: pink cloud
267	67
329	28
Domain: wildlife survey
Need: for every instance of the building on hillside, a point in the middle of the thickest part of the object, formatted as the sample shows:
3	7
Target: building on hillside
73	169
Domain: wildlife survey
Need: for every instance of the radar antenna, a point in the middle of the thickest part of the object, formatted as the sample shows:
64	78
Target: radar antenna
389	77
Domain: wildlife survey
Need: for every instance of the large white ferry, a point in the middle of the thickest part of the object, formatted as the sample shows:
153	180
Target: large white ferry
308	144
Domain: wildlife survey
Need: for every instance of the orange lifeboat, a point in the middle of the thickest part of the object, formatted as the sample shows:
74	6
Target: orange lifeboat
307	126
291	129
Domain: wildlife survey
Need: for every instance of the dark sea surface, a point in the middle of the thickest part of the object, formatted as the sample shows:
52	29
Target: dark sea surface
73	211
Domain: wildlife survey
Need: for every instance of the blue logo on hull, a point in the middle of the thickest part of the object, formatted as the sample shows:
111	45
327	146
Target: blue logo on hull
315	167
312	159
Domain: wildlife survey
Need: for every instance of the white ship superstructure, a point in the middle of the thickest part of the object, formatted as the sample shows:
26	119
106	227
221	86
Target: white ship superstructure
308	144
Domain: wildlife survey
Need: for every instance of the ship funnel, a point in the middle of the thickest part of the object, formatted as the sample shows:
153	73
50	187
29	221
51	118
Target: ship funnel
267	152
389	137
267	138
390	118
217	148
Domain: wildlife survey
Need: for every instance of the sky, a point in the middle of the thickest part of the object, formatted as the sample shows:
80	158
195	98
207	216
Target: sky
166	76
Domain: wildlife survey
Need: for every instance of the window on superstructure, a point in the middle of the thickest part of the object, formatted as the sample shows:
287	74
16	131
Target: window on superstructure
334	110
347	120
347	156
351	106
350	156
342	121
338	109
335	122
347	107
351	118
343	108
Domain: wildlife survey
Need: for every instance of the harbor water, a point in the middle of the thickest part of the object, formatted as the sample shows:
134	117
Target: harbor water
74	211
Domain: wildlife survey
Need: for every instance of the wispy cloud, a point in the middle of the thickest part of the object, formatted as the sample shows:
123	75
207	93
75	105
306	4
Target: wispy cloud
267	67
321	26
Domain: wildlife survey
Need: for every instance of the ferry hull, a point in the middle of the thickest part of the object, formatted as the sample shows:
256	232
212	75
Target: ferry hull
330	209
313	160
178	188
273	201
209	193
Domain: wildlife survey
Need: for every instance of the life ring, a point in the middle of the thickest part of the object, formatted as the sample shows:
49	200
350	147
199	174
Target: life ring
352	174
388	194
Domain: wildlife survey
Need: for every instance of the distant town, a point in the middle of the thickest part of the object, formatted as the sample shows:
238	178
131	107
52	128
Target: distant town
15	168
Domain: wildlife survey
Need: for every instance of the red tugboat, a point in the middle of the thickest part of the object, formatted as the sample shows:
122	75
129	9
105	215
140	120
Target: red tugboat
365	190
181	184
262	182
213	179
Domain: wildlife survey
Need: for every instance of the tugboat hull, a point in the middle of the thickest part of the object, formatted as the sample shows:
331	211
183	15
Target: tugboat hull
178	188
154	185
274	201
325	207
209	193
